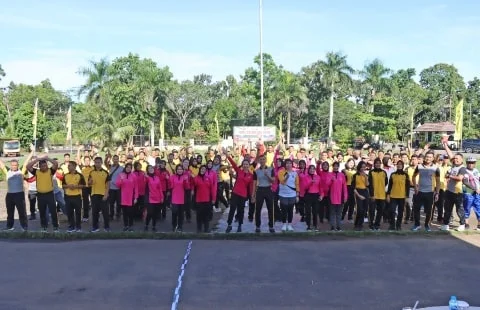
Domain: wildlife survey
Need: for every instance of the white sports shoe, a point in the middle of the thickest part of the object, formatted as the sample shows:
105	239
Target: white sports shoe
217	210
444	228
284	227
289	227
460	228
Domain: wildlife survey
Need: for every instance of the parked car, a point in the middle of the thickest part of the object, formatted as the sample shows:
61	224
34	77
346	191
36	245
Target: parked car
471	145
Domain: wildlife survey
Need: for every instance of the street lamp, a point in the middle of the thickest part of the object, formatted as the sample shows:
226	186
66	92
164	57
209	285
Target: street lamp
261	62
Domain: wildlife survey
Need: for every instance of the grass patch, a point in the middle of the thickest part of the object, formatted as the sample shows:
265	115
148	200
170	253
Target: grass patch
221	236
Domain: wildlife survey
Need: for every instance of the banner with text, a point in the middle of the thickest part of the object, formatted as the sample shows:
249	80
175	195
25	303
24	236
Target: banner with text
253	133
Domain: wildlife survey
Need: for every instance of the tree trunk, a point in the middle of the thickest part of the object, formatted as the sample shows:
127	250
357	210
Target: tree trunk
181	127
411	126
330	119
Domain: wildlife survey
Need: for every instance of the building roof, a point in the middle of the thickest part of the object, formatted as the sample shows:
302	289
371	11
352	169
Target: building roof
436	127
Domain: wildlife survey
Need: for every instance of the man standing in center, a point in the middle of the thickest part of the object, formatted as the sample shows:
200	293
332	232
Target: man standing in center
263	178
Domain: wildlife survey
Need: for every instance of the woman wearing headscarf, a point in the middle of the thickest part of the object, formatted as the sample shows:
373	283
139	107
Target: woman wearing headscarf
153	197
311	186
179	184
204	194
164	175
338	195
128	186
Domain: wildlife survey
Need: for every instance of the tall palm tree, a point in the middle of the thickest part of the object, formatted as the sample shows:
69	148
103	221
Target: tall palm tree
291	97
375	78
336	73
97	76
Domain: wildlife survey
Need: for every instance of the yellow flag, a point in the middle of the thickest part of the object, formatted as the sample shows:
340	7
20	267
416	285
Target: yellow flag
459	120
35	119
69	124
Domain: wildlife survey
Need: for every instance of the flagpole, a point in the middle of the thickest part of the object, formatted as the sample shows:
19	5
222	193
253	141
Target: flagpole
261	62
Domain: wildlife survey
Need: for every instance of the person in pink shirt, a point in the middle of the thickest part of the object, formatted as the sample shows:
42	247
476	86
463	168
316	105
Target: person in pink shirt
128	186
325	180
338	196
188	192
140	177
154	197
277	166
300	206
162	172
204	193
178	184
310	185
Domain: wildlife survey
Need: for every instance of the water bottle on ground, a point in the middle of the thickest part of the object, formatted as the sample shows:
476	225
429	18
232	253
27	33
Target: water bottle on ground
453	304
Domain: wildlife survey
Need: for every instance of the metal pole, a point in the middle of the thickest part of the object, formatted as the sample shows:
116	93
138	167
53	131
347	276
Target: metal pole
261	62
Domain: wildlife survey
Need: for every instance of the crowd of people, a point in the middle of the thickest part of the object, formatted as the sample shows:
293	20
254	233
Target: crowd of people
383	189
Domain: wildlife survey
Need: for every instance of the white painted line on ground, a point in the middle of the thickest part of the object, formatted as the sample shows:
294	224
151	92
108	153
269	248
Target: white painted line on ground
176	294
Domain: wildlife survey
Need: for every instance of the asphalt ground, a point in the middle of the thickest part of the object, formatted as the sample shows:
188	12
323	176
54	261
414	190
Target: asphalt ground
378	272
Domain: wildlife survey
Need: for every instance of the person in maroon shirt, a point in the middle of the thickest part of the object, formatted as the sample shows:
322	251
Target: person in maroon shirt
240	193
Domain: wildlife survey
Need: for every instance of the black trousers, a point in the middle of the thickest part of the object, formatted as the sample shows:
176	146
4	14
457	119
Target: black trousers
251	210
162	213
349	207
86	193
128	215
114	202
47	200
177	216
311	209
323	210
425	200
300	206
138	207
452	199
12	201
263	195
237	204
440	205
187	207
375	213
99	205
276	207
286	206
362	207
204	210
220	197
32	199
152	211
396	204
74	211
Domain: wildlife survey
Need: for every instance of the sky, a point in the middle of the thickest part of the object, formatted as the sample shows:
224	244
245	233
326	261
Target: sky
53	39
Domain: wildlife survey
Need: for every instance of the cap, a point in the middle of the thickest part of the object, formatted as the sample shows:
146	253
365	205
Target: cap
471	159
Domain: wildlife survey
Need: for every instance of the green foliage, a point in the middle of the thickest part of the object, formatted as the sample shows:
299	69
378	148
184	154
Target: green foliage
22	120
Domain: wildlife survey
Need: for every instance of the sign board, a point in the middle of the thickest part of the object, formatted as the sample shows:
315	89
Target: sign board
253	133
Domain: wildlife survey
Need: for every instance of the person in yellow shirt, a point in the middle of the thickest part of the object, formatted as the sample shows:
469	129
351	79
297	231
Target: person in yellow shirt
362	196
86	169
398	190
378	180
269	156
411	193
349	207
73	183
443	163
45	197
99	180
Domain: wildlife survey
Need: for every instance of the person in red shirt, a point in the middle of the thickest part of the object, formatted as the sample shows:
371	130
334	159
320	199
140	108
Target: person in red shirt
204	193
153	197
188	192
128	194
241	192
310	183
140	179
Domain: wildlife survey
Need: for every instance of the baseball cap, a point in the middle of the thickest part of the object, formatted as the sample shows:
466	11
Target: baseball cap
471	159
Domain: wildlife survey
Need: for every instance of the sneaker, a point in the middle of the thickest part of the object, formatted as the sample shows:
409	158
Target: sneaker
24	229
239	229
217	210
309	228
229	229
125	228
284	227
460	228
70	230
289	227
315	229
44	230
427	228
338	229
415	228
444	228
9	229
271	230
56	230
85	220
257	230
95	230
179	230
332	228
79	230
32	217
